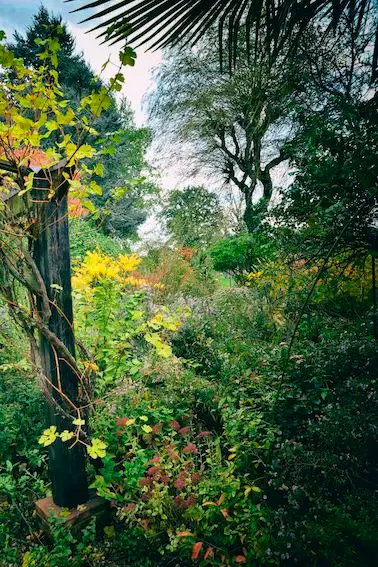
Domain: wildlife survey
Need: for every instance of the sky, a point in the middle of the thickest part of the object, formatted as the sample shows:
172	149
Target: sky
17	14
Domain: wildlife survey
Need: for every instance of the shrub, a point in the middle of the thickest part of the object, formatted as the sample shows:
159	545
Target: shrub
241	254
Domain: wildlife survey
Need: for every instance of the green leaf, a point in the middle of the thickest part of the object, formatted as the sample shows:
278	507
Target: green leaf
97	449
95	187
87	203
127	56
163	349
66	435
99	170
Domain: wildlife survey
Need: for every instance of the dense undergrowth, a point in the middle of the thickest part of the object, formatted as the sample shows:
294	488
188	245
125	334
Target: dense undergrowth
221	450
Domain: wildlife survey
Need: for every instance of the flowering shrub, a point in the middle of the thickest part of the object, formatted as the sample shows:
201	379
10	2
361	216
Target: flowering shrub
97	267
173	480
114	318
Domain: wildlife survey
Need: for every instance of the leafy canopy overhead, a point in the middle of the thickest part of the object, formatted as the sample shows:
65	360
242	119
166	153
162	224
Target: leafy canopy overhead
160	23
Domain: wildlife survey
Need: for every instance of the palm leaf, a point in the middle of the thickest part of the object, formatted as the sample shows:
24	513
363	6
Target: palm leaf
159	23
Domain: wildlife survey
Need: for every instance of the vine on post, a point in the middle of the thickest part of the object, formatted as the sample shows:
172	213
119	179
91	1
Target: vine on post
44	149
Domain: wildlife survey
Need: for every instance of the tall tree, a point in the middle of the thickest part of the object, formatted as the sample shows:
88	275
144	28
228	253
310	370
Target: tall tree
332	200
75	75
129	185
235	126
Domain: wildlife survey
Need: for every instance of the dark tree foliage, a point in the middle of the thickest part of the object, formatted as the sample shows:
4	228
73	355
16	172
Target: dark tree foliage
242	254
333	198
334	194
128	185
75	75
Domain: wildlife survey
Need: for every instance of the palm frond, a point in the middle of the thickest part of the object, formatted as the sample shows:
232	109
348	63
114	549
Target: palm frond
159	23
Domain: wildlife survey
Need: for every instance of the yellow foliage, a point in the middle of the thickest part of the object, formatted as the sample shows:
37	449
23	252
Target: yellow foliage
48	436
129	263
97	267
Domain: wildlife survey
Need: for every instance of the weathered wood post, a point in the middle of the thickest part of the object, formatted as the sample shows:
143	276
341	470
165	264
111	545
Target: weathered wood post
52	257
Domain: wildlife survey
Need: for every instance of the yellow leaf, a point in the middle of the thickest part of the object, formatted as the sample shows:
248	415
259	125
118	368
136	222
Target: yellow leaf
185	533
66	435
48	436
97	449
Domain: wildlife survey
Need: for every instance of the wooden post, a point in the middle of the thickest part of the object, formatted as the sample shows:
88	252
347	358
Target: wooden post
375	322
52	257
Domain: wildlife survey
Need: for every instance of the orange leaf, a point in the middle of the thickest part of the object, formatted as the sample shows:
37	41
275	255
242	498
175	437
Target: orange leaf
221	499
225	513
184	534
196	550
209	552
240	559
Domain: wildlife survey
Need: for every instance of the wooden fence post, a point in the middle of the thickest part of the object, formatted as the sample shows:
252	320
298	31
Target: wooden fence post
52	257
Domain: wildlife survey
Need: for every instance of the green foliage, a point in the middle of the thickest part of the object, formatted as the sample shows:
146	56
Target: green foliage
336	181
22	465
193	217
85	236
241	254
215	443
31	45
332	199
123	172
129	184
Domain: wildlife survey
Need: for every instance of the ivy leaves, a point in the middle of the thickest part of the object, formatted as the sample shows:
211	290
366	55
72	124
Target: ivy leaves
127	56
96	448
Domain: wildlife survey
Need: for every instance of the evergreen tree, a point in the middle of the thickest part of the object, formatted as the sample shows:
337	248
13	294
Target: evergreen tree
125	184
75	75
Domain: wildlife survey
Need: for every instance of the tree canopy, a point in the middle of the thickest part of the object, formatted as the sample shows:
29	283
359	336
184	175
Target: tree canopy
193	216
234	127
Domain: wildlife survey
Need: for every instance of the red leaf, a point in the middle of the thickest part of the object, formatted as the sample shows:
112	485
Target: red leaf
196	550
240	559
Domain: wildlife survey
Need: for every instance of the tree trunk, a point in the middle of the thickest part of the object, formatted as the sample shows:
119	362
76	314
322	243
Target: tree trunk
249	212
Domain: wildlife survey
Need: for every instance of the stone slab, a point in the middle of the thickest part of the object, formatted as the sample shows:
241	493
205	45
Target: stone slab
77	518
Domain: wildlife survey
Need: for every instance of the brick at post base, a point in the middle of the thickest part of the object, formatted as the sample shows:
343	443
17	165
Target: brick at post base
76	518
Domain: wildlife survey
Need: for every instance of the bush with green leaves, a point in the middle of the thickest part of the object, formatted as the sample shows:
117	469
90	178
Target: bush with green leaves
85	237
241	254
